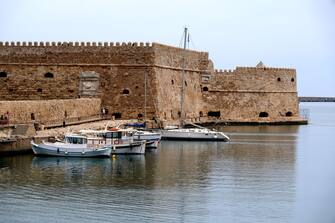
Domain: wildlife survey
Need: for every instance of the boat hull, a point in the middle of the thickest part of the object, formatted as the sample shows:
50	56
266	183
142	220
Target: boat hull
152	144
49	150
152	138
135	148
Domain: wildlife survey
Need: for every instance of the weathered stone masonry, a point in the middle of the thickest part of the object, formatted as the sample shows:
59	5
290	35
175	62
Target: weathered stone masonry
115	73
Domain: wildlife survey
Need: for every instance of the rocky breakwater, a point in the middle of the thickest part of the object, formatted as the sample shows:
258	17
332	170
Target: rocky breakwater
16	138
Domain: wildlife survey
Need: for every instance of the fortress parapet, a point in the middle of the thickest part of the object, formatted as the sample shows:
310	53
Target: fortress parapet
75	44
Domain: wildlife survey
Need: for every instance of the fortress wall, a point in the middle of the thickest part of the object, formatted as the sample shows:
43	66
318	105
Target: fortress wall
243	93
254	79
118	67
27	82
115	83
115	74
169	94
172	57
247	106
49	111
169	69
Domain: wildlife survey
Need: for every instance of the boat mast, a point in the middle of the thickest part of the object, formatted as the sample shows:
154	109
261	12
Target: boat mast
183	81
145	99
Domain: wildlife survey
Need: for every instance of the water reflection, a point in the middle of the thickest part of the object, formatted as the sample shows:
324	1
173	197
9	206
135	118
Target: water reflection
250	179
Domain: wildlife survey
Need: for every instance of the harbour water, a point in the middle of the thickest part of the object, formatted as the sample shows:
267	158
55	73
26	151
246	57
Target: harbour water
265	174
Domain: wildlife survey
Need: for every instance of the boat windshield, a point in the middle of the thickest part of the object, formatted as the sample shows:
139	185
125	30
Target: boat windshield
76	140
113	135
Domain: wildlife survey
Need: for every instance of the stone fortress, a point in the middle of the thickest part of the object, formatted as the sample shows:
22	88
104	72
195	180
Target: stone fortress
54	82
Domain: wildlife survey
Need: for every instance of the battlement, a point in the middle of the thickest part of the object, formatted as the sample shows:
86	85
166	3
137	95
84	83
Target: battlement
264	68
77	52
251	69
220	71
75	44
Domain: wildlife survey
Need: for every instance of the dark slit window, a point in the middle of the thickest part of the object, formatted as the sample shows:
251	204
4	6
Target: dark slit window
49	75
263	114
3	74
117	115
289	114
214	114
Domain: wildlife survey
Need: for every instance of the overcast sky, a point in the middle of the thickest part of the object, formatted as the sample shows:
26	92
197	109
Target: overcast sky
287	33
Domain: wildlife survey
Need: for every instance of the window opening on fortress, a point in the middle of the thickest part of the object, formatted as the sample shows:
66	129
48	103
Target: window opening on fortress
32	116
201	114
278	79
125	91
172	82
216	114
205	89
117	115
71	91
179	114
185	83
263	114
49	75
205	78
292	79
289	114
39	90
136	87
3	74
139	116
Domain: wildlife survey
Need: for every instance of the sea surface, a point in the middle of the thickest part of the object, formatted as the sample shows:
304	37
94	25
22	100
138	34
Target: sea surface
265	174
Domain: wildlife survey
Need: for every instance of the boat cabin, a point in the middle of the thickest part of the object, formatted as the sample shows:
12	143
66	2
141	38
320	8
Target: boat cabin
76	139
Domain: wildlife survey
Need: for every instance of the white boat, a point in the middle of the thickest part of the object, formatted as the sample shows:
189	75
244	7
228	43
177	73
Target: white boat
72	146
152	138
201	134
121	141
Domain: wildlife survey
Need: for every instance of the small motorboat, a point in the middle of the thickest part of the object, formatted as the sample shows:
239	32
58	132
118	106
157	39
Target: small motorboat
152	138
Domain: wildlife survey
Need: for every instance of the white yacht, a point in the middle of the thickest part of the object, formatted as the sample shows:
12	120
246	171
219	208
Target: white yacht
194	134
73	146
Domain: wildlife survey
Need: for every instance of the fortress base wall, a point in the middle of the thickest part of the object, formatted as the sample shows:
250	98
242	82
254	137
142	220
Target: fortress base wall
241	106
50	112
